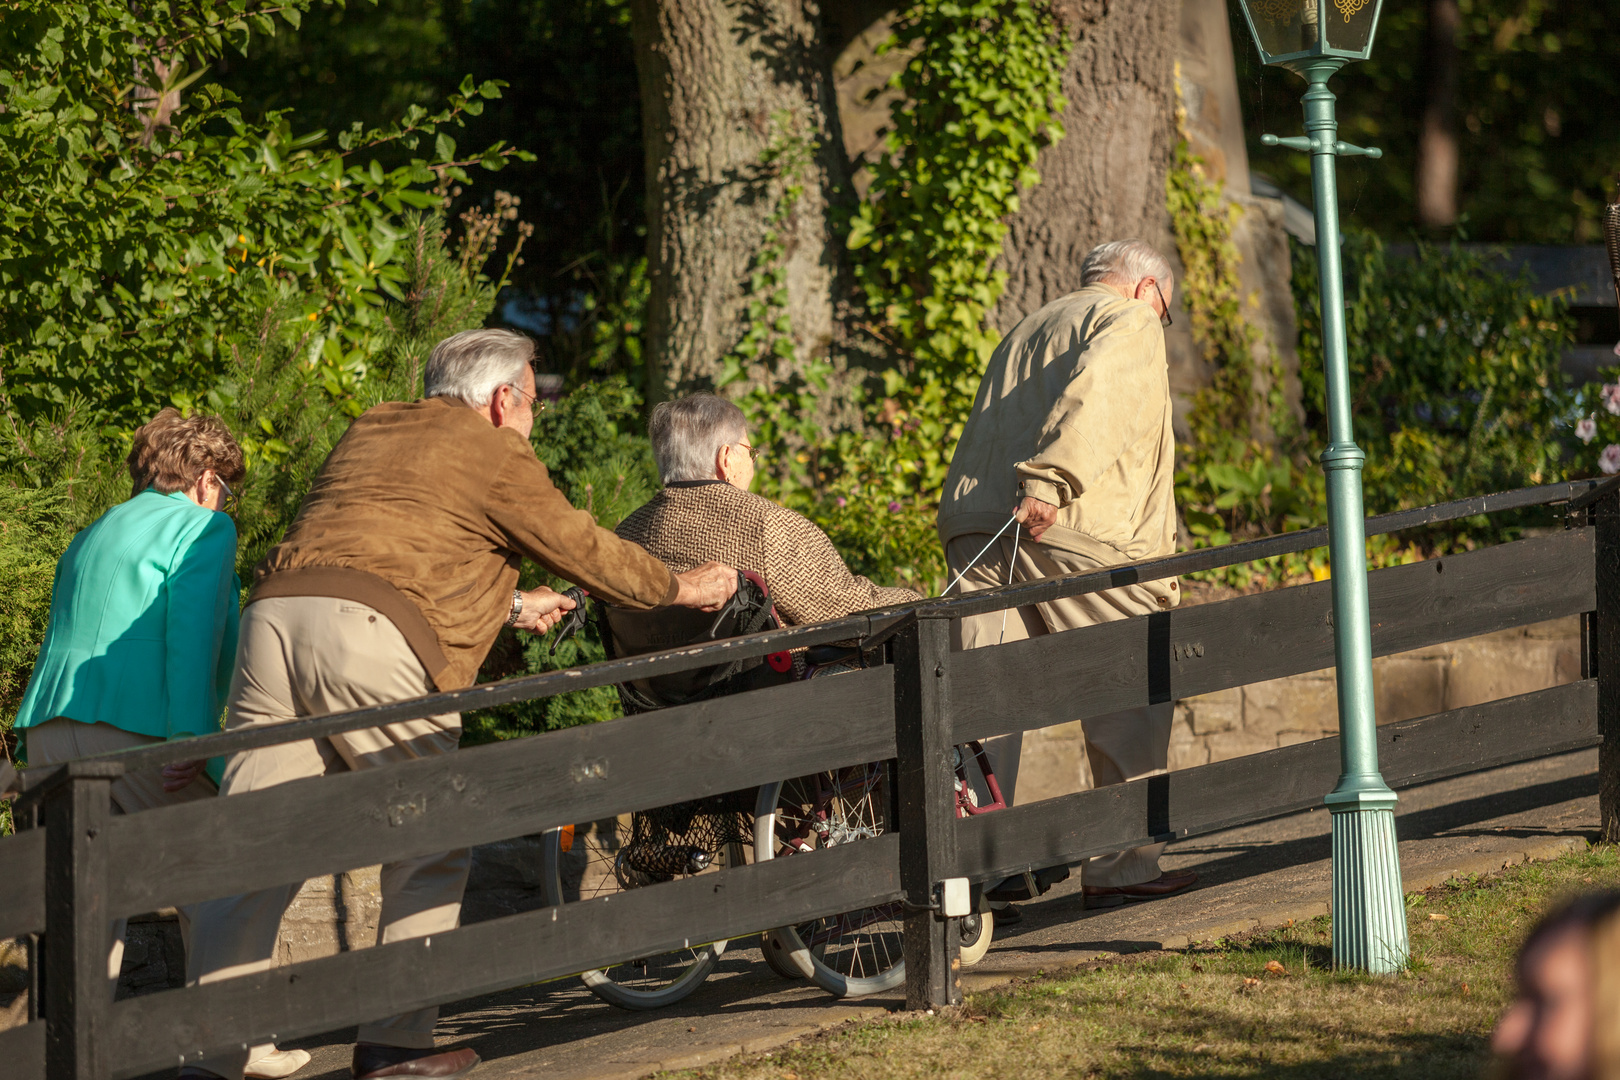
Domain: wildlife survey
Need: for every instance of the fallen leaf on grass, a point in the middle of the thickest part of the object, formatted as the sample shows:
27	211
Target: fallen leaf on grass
1034	1027
1435	916
1465	989
1247	982
1200	1048
1274	968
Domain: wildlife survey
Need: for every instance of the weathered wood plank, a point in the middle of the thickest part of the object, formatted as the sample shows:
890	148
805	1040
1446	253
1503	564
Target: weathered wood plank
22	1049
1195	650
22	883
1267	547
1258	786
1605	635
174	855
488	695
927	803
157	1030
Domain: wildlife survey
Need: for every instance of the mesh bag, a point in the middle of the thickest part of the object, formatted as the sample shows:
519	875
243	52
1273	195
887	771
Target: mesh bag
685	838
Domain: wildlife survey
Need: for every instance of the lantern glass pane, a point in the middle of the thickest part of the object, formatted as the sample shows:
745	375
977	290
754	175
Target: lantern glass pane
1285	26
1350	24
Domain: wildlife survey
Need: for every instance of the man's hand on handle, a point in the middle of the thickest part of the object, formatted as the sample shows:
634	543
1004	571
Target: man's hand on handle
706	587
543	608
178	775
1036	516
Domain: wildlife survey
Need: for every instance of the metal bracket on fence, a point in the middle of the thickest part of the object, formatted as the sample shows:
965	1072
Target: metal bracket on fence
1594	495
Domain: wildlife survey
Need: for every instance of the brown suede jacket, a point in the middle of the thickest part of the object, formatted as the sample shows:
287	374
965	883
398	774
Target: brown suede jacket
422	511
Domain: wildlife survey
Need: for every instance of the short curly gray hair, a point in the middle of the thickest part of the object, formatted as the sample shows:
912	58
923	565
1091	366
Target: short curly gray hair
688	433
1125	262
473	364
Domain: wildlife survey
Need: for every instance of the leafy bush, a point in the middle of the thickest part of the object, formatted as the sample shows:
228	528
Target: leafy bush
142	216
1454	368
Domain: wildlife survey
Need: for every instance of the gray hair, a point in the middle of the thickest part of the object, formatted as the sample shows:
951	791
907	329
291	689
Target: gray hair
474	364
688	433
1124	263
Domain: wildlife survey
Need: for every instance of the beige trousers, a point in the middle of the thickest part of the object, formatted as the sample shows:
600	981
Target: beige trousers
303	656
64	740
1121	746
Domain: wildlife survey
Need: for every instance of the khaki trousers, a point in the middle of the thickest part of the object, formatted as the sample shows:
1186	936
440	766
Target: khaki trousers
1121	746
303	656
64	740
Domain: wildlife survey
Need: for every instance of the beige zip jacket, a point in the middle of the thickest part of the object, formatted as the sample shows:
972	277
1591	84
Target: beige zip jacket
1074	410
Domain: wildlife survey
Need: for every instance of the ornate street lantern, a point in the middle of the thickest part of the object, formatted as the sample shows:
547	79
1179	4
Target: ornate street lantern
1292	32
1314	39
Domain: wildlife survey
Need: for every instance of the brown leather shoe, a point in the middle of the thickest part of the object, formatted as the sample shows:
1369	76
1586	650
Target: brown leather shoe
1167	884
371	1060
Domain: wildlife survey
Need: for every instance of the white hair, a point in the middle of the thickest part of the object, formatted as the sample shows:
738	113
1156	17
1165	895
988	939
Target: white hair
687	435
1124	263
474	364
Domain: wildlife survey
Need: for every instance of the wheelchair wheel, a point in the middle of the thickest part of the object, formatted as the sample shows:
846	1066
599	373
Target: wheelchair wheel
597	866
976	930
854	953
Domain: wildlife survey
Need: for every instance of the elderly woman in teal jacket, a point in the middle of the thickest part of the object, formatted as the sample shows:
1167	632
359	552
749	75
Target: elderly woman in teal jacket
142	635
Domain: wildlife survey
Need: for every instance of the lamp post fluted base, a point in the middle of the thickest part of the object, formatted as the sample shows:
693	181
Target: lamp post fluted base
1369	906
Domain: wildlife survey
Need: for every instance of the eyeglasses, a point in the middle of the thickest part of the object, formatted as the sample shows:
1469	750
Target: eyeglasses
231	503
537	404
1164	322
753	451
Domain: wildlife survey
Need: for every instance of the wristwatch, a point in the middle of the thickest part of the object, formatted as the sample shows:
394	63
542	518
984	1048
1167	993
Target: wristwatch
517	607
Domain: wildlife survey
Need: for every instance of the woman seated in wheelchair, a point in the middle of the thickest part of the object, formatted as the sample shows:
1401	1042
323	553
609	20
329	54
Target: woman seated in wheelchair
705	512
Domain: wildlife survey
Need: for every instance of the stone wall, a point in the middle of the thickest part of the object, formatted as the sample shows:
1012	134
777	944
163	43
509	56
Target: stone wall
1263	716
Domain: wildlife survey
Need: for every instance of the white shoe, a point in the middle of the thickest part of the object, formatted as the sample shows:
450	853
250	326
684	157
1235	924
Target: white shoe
268	1063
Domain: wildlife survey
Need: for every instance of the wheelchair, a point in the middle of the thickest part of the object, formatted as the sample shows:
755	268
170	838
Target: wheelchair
851	954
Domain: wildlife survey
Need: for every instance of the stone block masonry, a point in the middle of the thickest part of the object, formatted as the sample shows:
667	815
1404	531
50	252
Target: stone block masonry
1280	712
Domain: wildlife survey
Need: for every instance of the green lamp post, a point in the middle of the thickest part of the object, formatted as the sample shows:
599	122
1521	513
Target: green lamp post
1314	39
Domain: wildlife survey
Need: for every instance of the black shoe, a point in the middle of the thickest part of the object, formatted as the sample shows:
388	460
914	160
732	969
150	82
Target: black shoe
372	1062
1007	916
1016	889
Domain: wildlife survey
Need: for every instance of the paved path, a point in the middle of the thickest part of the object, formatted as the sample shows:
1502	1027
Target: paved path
1262	875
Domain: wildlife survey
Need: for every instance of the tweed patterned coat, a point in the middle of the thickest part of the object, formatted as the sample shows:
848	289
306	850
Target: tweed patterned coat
696	521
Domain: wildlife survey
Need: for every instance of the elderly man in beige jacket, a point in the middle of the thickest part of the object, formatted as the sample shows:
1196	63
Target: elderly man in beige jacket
1072	426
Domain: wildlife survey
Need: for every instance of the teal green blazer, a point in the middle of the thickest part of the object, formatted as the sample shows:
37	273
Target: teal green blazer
143	623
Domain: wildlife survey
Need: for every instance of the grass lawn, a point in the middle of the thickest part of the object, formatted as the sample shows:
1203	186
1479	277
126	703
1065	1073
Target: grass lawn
1266	1004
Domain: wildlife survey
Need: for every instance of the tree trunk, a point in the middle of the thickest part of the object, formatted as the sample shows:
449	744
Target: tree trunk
1437	141
1104	180
721	80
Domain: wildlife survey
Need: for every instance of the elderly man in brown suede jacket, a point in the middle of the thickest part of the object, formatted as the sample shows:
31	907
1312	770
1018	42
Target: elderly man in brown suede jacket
392	583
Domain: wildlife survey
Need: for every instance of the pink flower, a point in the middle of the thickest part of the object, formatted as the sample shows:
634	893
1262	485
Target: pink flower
1609	460
1586	429
1611	397
894	506
845	502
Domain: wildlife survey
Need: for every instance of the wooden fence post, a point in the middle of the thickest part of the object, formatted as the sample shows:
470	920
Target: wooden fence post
78	994
1605	633
927	805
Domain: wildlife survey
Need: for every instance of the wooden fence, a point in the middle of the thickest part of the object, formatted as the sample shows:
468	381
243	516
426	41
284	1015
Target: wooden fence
74	865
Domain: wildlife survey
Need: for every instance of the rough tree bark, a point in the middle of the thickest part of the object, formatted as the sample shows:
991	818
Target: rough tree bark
1105	179
1437	139
719	79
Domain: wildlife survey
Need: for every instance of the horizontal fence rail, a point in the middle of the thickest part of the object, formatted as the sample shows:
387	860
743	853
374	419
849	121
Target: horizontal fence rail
1183	652
985	601
911	710
159	1030
1208	798
168	857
